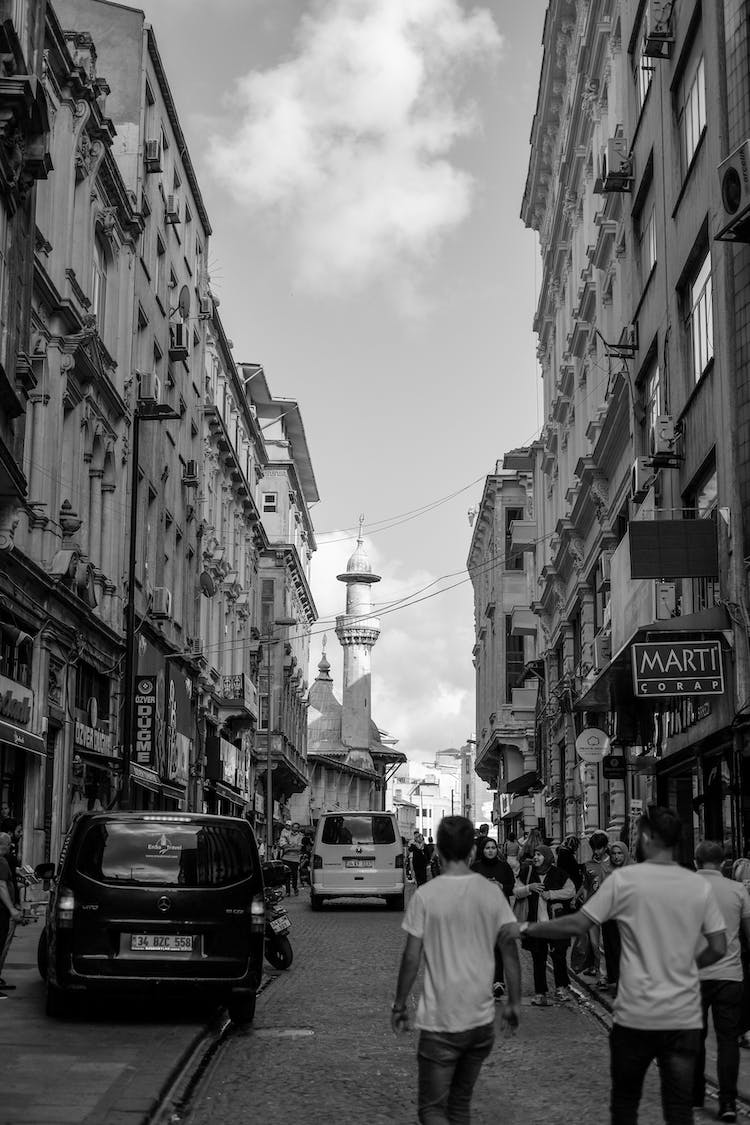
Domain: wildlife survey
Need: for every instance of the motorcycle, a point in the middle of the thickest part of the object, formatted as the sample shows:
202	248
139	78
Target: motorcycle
277	948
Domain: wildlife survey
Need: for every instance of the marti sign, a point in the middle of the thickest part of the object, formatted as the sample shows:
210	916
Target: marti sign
674	668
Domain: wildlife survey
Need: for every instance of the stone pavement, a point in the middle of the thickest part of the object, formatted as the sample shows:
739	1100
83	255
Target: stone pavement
322	1049
105	1069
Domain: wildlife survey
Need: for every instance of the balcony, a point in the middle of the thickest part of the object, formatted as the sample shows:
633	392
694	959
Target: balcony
523	623
238	697
523	535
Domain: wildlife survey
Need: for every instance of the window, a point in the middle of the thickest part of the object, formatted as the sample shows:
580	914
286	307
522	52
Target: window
643	67
424	814
166	854
692	112
352	829
650	395
514	659
99	282
513	559
703	504
267	597
269	501
648	244
700	322
160	275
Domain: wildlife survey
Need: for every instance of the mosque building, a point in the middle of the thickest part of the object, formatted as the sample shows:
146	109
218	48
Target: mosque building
349	757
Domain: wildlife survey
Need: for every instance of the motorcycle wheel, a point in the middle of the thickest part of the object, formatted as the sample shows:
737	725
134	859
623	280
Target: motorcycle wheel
279	953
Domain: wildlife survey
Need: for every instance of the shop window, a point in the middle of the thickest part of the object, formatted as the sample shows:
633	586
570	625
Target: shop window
91	684
15	655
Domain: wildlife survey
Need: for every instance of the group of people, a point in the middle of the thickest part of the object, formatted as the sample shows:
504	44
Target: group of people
294	847
11	913
667	936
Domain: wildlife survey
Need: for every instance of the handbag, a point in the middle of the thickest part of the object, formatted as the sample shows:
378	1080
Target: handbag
521	909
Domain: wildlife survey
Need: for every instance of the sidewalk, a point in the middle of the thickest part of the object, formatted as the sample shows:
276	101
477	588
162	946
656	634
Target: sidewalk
606	998
90	1070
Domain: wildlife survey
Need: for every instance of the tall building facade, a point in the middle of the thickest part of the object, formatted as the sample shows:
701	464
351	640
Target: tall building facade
640	473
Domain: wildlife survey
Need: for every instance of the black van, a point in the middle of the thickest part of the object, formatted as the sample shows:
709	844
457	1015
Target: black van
142	899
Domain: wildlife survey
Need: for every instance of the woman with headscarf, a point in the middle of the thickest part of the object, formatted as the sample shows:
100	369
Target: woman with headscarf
550	892
567	862
619	856
492	866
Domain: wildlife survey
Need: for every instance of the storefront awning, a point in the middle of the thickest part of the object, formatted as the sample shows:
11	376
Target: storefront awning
22	739
526	783
229	794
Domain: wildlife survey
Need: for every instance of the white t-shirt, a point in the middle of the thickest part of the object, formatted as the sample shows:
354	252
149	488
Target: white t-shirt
734	904
662	910
458	918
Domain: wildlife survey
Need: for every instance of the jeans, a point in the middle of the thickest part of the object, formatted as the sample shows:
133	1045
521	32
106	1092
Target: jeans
632	1050
293	866
724	999
558	951
449	1065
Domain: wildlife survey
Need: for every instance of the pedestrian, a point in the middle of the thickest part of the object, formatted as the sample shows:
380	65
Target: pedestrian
664	911
418	860
721	983
619	856
305	858
595	871
512	848
454	923
741	872
10	914
549	892
567	862
290	843
527	849
492	866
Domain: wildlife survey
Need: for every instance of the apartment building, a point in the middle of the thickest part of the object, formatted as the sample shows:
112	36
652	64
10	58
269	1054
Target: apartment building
639	476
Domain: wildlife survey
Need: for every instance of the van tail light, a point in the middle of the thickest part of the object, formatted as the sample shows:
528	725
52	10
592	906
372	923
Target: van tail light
258	913
400	860
66	904
317	863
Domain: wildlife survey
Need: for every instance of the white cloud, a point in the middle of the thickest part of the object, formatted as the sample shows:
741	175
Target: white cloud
348	143
422	678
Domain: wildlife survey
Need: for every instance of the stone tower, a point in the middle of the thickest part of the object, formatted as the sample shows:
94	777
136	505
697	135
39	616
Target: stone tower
357	631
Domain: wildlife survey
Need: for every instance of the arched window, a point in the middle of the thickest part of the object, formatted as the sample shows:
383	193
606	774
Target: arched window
99	283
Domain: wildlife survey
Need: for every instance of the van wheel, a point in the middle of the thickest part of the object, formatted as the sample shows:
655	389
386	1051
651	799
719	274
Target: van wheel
42	955
395	902
241	1007
60	1005
316	901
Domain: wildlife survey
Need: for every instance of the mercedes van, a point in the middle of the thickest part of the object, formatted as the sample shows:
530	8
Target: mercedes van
167	901
357	855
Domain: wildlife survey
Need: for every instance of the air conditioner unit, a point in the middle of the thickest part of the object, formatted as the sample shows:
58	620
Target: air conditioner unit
605	567
152	156
205	308
161	603
172	210
734	178
658	37
642	476
195	648
663	440
149	389
602	649
190	474
178	346
616	167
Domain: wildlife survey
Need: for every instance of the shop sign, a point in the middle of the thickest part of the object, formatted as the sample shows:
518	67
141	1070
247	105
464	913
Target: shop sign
15	701
259	802
240	689
92	739
182	748
591	745
145	719
614	767
669	668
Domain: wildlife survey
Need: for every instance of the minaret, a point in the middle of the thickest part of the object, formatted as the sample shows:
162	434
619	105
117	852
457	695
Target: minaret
357	631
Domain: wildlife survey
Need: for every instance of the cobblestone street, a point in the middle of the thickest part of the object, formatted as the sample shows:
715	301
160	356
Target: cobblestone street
321	1047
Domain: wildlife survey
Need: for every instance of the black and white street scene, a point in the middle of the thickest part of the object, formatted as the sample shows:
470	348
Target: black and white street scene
374	562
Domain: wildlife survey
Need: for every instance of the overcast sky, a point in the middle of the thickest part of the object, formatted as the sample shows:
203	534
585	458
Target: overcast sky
363	163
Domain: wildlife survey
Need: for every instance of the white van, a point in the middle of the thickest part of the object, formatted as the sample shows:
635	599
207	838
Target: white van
357	855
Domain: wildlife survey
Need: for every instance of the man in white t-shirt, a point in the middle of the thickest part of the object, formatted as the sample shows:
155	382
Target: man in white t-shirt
665	914
721	983
454	922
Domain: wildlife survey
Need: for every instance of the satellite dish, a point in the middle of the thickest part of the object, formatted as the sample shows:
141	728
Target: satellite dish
183	302
207	584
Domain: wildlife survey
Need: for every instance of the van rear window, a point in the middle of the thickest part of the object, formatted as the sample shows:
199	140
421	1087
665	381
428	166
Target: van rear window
174	855
358	830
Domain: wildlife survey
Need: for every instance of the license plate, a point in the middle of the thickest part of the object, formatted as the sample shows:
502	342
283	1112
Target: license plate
163	943
280	925
359	862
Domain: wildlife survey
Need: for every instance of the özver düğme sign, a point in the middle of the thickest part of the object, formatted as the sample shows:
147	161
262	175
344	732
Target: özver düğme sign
669	668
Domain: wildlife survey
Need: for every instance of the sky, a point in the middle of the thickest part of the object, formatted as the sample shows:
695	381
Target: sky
363	165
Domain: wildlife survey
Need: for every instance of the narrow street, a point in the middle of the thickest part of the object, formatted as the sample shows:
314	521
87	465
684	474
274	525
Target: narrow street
323	1045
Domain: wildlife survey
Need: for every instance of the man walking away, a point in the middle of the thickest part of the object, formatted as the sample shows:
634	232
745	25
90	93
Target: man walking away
454	923
9	912
290	843
721	983
664	911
